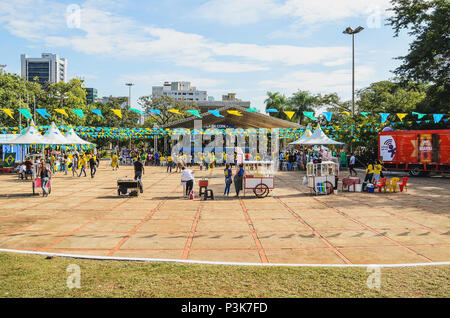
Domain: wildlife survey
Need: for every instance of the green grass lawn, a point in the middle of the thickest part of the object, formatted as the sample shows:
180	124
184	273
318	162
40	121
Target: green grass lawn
36	276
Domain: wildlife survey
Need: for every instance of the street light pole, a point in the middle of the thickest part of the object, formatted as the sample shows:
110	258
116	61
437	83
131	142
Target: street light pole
352	32
353	75
129	102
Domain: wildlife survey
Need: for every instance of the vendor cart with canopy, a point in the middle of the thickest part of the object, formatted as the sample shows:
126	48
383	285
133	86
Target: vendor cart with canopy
322	177
261	182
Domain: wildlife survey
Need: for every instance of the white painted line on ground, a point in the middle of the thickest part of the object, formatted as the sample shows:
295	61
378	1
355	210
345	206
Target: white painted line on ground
162	260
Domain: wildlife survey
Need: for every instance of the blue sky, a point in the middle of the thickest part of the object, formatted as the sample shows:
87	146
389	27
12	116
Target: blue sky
244	46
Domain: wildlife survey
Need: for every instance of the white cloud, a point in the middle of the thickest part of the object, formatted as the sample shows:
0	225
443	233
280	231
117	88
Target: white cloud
158	79
235	12
105	33
338	81
305	12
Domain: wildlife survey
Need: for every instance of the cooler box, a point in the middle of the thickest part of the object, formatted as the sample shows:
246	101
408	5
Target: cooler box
370	188
203	183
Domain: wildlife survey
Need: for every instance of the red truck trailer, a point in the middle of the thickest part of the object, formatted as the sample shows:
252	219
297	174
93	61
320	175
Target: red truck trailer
419	152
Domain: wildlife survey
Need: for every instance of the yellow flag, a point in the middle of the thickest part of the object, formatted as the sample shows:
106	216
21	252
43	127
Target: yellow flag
234	112
8	112
290	114
61	111
118	112
401	116
175	111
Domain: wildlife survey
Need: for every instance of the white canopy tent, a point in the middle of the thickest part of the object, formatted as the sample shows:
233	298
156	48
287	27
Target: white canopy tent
73	139
54	136
319	138
304	137
30	137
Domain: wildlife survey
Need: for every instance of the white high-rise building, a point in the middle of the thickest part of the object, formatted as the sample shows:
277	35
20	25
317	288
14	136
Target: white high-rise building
49	68
180	91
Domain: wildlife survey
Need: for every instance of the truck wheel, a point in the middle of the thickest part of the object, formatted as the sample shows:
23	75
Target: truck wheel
418	173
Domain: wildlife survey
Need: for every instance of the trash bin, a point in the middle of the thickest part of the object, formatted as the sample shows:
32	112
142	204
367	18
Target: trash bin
370	188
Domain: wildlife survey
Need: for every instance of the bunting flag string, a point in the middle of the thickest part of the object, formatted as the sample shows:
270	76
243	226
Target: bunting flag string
328	115
310	115
235	113
155	111
215	113
437	117
175	111
61	111
97	112
43	112
25	112
78	112
401	116
137	111
117	112
290	114
194	112
384	117
8	112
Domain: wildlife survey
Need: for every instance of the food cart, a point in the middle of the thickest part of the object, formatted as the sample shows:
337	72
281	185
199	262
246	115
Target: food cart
259	177
322	177
123	185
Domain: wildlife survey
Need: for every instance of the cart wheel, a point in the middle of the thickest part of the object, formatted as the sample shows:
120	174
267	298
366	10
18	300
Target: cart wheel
33	187
261	190
118	192
329	186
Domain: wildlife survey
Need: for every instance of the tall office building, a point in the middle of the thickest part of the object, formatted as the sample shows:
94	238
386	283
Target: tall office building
91	95
180	91
49	68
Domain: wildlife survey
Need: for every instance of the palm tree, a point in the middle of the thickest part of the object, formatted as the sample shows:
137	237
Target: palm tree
302	101
278	102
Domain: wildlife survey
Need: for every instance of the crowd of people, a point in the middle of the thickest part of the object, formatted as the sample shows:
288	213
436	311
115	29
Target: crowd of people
51	162
79	162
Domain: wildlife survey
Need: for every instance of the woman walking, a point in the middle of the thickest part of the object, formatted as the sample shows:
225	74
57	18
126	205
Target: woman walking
238	179
45	175
228	180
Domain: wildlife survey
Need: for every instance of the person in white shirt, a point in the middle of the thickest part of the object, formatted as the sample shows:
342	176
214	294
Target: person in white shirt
187	177
352	165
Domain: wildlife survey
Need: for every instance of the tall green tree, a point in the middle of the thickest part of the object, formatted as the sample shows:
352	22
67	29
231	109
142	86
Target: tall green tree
428	59
163	104
391	97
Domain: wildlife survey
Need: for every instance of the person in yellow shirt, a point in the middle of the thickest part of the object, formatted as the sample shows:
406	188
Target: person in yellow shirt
369	175
82	163
52	162
377	171
114	161
169	163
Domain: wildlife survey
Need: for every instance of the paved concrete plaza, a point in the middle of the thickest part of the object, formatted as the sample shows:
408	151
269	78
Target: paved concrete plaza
85	216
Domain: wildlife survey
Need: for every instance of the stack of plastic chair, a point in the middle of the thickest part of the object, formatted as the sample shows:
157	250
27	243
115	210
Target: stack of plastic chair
381	184
393	184
403	184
